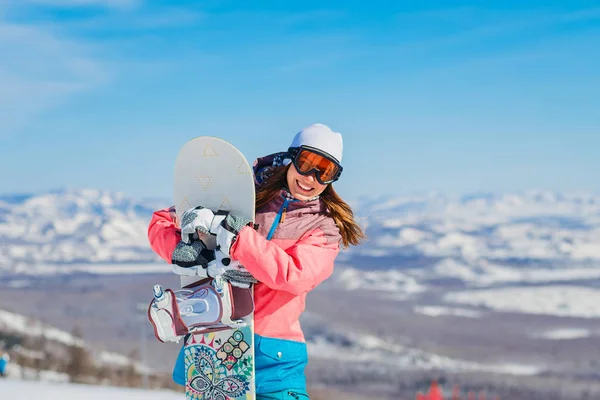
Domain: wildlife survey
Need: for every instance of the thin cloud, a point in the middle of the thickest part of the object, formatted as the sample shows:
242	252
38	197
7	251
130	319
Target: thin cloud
140	20
47	63
117	4
41	70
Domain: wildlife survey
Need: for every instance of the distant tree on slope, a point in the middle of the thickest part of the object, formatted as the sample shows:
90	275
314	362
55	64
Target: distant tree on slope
79	365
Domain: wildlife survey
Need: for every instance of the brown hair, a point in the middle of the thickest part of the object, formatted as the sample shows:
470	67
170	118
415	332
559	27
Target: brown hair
338	209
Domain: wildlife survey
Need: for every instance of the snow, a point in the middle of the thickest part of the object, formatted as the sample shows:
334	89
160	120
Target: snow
14	371
411	235
456	240
15	323
113	359
558	300
388	354
437	311
406	236
562	229
390	281
481	274
60	231
93	268
370	342
564	334
18	284
65	226
586	250
25	390
20	324
455	269
484	273
515	369
74	226
340	343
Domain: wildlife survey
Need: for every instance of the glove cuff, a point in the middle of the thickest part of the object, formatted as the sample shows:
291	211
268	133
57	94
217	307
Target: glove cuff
216	222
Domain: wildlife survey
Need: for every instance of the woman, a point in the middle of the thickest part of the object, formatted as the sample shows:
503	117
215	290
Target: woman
300	225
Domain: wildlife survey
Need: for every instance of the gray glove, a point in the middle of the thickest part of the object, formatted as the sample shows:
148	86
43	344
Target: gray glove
191	254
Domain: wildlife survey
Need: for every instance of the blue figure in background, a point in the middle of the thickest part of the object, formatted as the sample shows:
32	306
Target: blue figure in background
3	362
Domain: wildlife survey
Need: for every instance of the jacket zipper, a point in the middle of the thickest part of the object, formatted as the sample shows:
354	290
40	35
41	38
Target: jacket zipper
279	218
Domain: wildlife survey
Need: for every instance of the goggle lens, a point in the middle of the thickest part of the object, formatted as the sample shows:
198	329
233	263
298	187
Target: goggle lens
326	169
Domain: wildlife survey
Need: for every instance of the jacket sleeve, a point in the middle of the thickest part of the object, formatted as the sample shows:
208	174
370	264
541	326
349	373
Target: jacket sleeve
163	233
297	269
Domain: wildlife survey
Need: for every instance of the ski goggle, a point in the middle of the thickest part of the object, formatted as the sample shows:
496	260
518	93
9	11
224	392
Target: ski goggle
308	160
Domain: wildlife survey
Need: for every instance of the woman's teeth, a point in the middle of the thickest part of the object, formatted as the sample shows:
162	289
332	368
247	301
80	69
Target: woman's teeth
303	187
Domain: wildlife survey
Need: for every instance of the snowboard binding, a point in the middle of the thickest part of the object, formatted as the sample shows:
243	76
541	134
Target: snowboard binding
210	305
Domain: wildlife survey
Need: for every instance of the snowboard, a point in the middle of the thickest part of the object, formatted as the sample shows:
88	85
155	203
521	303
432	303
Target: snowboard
212	173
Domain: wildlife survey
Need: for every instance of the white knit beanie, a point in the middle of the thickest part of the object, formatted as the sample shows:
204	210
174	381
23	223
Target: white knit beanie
320	137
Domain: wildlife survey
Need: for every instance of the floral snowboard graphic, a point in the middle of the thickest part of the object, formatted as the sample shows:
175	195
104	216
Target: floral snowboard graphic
219	366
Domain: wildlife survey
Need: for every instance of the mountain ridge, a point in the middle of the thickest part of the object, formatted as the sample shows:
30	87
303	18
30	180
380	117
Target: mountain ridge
533	229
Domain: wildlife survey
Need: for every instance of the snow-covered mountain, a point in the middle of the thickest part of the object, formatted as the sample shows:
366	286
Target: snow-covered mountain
482	238
531	228
67	227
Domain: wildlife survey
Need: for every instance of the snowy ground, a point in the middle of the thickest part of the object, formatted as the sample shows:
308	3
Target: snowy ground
371	350
563	334
558	300
11	389
437	311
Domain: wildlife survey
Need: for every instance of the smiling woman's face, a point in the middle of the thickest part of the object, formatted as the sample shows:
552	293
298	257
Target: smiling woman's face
303	187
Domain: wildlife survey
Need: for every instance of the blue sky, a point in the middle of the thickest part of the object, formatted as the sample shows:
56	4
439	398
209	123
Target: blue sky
448	96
